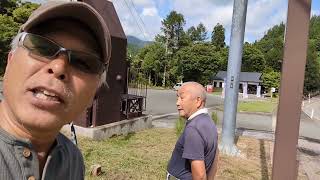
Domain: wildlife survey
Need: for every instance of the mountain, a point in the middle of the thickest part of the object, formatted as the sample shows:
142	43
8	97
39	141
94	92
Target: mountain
138	42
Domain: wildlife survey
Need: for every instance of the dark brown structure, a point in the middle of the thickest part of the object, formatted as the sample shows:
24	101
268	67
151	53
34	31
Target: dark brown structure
107	104
289	109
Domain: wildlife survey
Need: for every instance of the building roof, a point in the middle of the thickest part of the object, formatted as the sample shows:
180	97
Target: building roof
244	76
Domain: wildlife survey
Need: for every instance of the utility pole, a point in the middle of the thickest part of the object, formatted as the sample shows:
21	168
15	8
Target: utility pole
285	160
232	86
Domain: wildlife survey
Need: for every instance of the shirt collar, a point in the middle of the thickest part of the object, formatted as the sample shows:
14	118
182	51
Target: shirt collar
200	111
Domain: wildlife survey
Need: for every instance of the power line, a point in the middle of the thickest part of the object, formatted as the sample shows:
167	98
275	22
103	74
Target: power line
140	28
143	24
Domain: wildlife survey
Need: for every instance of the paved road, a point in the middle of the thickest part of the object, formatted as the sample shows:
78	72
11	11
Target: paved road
164	101
160	102
312	107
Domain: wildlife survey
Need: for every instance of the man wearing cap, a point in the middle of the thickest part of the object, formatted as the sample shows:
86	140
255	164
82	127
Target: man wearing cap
53	70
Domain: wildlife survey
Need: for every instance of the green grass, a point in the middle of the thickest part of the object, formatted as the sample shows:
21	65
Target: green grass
265	106
257	106
143	155
217	91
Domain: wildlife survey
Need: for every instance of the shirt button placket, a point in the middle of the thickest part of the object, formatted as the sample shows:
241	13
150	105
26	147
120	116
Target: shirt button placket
27	153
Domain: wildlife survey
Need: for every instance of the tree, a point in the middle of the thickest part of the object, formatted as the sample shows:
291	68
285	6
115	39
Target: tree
315	31
12	14
218	37
198	34
150	61
8	29
172	28
7	6
22	13
312	72
252	59
271	79
271	45
198	62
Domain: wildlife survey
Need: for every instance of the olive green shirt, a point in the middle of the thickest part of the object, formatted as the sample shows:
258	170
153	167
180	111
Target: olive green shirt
19	161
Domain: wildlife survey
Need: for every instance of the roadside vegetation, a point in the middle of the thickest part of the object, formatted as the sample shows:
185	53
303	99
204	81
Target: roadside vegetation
144	155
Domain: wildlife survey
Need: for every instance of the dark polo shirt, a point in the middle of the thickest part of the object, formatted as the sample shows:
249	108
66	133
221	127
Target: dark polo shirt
19	161
197	142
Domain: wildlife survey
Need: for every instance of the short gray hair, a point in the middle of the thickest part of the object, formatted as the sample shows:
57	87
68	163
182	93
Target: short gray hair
199	90
15	42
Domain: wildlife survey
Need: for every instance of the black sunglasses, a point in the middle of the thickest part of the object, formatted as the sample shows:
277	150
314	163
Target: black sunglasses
43	48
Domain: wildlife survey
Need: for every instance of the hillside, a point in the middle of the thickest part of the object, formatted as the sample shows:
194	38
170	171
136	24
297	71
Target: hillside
136	41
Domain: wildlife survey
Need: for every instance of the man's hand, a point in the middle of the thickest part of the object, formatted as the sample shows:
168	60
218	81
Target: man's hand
198	170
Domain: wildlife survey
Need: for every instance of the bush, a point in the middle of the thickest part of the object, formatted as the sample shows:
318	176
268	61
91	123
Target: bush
214	117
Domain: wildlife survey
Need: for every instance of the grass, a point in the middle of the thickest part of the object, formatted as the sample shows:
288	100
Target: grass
257	106
264	106
144	156
217	91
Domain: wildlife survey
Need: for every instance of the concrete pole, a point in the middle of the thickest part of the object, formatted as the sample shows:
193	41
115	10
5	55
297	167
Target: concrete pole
232	87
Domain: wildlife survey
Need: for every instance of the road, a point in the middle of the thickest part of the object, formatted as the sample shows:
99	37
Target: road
161	102
164	101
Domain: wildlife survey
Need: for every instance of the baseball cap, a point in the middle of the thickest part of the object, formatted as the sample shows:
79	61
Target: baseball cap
76	10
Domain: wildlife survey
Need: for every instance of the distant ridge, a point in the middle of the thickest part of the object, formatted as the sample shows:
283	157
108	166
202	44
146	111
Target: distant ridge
136	41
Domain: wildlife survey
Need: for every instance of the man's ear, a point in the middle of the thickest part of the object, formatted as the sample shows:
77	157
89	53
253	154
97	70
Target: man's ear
199	102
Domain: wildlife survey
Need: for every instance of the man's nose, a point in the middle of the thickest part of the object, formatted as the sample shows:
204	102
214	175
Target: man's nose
178	102
59	67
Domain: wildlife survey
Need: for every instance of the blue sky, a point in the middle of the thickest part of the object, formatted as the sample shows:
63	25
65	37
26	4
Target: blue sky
142	18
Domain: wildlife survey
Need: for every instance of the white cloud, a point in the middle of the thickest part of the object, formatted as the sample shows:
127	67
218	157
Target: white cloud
261	15
150	12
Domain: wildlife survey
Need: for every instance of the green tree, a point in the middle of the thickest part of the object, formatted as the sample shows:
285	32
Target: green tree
173	38
218	37
198	62
172	28
12	14
271	45
198	34
312	71
7	6
252	59
8	29
150	61
315	31
271	79
22	13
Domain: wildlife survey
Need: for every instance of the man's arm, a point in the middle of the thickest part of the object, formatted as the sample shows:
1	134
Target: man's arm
214	166
198	170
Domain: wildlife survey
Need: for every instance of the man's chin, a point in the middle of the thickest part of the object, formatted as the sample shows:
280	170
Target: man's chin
42	123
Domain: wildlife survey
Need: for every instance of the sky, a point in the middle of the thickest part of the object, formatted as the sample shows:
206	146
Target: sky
142	18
